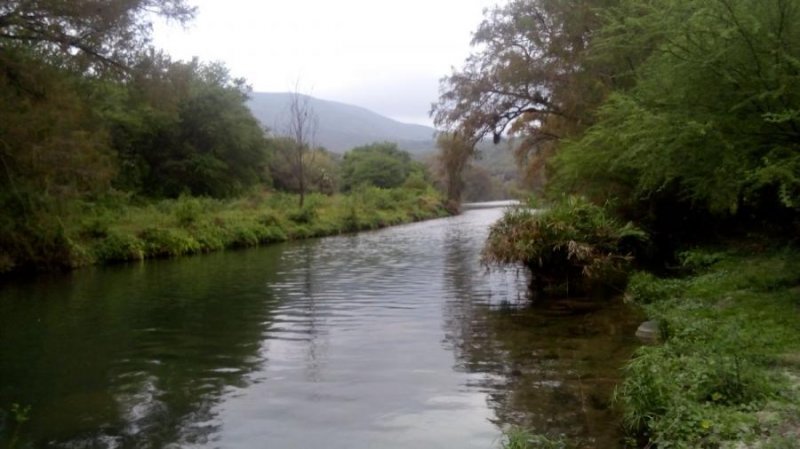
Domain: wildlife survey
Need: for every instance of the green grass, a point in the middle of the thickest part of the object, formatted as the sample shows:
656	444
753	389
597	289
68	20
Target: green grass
728	371
121	229
517	438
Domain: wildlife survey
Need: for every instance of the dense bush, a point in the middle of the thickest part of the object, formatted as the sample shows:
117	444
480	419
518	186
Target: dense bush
378	165
570	246
710	124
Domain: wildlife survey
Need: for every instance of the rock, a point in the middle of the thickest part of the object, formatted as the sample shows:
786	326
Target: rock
648	332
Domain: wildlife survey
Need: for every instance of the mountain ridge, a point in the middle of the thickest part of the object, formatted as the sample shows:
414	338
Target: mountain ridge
343	126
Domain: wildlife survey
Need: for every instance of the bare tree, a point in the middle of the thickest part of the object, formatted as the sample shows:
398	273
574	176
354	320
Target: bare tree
302	129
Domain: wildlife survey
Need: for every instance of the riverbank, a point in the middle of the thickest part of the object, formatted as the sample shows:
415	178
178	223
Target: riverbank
727	371
122	230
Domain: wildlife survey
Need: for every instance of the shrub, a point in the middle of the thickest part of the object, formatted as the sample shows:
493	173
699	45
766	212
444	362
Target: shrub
303	215
270	218
119	247
168	242
96	227
572	244
188	210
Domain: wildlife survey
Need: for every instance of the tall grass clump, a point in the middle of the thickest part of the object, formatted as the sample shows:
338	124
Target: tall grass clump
569	247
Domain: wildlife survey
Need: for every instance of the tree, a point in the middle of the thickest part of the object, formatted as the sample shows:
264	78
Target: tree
378	164
321	168
454	154
301	128
184	127
712	120
479	185
85	33
531	75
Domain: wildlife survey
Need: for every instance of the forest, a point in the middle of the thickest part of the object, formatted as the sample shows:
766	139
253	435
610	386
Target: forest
664	136
113	151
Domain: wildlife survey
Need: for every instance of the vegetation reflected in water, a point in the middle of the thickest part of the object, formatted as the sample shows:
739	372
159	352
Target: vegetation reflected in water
548	367
396	338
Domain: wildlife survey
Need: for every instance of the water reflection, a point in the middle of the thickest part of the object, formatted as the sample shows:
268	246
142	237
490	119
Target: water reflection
365	312
549	367
132	356
391	339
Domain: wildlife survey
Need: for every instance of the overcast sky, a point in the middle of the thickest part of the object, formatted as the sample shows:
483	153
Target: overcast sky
386	56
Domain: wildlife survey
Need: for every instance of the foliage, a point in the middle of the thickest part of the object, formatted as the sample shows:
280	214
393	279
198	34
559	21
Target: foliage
87	33
529	76
198	137
717	379
646	288
74	131
455	152
571	244
378	164
121	230
712	116
320	167
50	141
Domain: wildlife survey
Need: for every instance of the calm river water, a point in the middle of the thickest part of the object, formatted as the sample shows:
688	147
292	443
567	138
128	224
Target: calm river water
397	338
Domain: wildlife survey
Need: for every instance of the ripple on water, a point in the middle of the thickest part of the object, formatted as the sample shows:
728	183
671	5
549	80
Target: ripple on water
396	338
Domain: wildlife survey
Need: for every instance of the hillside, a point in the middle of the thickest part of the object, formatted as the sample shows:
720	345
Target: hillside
343	126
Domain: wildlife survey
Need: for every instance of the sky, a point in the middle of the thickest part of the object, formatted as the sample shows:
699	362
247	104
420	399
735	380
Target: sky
387	56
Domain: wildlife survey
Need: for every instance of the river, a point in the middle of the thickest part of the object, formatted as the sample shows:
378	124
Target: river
397	338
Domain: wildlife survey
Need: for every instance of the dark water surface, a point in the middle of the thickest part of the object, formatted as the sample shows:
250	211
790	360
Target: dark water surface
390	339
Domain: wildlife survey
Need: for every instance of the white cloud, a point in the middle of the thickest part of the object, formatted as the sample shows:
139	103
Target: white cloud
386	56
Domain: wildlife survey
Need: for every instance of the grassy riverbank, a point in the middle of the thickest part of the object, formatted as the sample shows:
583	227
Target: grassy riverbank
727	372
119	230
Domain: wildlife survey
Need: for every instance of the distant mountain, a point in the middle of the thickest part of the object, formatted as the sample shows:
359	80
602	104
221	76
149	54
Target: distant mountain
343	126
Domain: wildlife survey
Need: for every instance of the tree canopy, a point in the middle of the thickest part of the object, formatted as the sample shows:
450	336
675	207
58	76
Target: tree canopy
86	32
529	75
377	164
655	104
713	117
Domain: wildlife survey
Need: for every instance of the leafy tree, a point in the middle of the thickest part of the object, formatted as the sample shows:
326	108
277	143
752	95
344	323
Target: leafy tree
184	127
455	152
52	151
219	147
378	164
85	33
713	116
530	75
479	185
50	141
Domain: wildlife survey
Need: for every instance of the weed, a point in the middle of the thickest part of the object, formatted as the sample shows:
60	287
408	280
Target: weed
187	210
